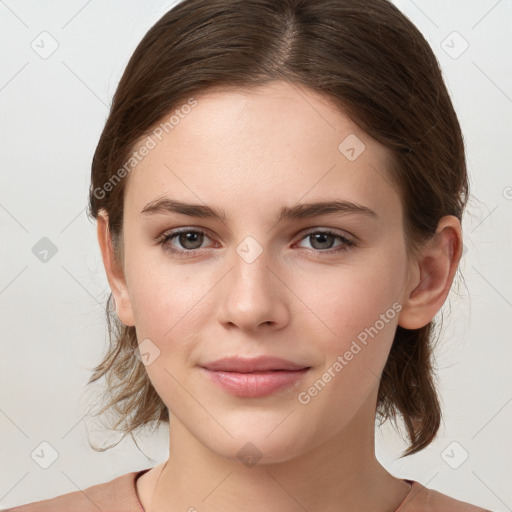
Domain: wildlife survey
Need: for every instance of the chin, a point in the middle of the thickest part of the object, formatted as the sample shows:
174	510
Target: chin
257	447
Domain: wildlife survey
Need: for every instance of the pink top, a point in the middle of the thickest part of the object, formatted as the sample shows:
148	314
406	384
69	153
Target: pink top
119	495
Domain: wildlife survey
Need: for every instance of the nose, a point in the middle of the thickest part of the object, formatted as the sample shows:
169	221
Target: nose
253	296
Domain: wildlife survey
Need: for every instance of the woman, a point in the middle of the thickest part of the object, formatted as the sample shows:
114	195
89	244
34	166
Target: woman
278	191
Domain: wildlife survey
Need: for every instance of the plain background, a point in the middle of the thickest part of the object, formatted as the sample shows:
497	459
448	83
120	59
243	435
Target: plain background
52	313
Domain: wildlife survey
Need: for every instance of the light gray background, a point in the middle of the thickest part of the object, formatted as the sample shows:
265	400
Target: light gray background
52	314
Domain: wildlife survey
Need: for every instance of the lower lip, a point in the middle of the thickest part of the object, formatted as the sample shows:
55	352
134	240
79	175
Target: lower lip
255	384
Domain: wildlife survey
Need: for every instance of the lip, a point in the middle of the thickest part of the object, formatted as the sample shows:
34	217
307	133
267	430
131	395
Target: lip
253	364
256	377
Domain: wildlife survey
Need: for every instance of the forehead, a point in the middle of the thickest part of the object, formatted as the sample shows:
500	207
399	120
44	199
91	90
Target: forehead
273	145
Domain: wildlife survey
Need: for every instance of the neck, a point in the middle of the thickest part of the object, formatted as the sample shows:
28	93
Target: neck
340	473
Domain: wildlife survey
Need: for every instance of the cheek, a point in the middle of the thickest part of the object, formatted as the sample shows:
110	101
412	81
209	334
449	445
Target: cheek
361	310
160	292
347	299
171	303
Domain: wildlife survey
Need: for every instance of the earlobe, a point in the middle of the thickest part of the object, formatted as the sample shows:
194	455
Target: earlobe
432	275
115	273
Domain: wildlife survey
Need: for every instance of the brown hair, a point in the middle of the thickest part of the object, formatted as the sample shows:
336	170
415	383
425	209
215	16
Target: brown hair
366	57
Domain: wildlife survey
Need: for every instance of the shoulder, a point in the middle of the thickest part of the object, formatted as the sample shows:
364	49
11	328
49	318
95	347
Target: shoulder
117	494
422	499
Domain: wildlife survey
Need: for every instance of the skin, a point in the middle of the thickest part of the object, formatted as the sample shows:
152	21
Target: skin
250	152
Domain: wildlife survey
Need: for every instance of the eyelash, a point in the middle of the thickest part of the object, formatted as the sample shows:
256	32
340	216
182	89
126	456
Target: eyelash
345	246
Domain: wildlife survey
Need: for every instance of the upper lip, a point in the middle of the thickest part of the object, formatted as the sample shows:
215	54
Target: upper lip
255	364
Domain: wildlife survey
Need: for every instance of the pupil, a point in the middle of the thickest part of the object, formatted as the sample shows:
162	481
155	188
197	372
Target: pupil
190	237
321	237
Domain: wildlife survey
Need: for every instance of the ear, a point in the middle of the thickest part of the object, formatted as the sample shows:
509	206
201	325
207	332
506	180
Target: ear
432	275
115	273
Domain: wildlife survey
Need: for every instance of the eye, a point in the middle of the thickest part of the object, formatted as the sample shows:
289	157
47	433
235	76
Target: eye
191	240
324	239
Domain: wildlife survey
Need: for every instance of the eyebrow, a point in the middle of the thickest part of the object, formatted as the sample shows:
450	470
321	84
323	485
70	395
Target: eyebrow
299	211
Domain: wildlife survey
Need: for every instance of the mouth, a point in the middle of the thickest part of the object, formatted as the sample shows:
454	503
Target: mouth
257	377
254	364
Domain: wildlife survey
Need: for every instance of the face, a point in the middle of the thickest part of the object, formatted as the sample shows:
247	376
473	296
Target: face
323	290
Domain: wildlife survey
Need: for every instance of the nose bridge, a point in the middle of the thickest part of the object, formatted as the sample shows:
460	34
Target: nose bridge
252	293
250	275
